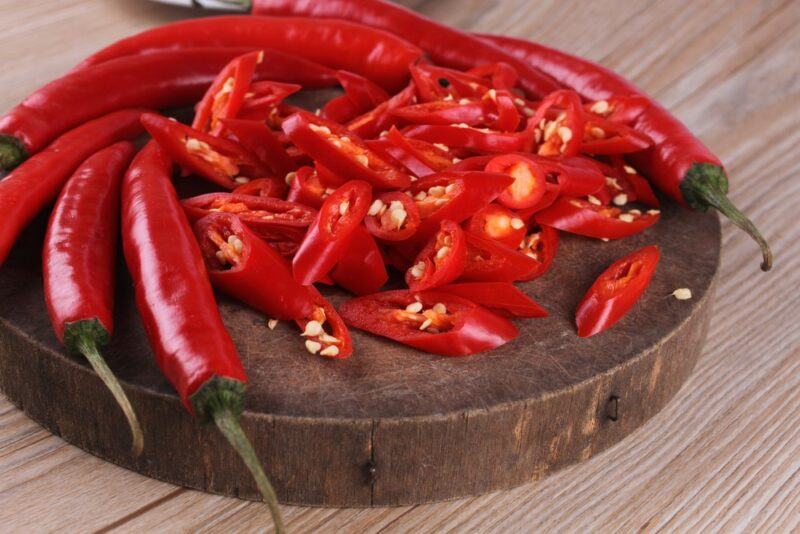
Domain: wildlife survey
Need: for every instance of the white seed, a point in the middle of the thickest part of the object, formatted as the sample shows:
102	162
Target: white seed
621	199
312	346
343	207
561	116
600	107
398	217
653	212
290	176
456	160
528	112
519	102
629	169
462	125
425	324
448	240
517	223
376	207
439	308
331	350
448	98
612	182
396	205
605	239
626	217
272	323
418	270
683	293
313	329
319	129
193	144
635	212
441	202
437	191
236	243
363	160
464	101
441	146
327	338
597	133
442	252
414	307
451	189
221	257
384	133
565	133
422	195
344	139
593	200
532	254
550	129
491	93
241	180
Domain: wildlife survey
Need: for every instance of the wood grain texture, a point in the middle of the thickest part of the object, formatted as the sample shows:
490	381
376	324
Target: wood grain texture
725	455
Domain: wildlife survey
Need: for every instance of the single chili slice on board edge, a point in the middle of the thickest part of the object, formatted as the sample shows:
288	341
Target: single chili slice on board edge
78	260
177	307
615	291
335	342
591	218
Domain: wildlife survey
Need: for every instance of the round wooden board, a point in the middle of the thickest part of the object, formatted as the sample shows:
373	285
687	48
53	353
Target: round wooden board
389	425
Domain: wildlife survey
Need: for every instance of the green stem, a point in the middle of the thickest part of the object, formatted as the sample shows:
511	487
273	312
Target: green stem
86	345
12	152
706	185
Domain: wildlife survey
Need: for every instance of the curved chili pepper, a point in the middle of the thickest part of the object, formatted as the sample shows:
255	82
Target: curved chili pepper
341	151
501	297
499	223
678	163
177	307
479	140
441	260
159	80
446	46
263	187
262	142
337	44
327	238
541	245
490	261
361	269
591	218
35	183
439	323
392	216
241	265
78	260
225	96
615	291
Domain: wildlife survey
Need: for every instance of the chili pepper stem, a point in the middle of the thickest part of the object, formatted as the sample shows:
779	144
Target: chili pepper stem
706	185
12	153
85	343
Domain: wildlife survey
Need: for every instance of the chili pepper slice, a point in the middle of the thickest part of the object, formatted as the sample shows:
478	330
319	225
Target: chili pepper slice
360	95
372	123
259	140
434	83
342	151
78	261
334	344
263	187
438	323
591	218
541	245
578	175
392	216
503	75
419	157
529	180
505	116
227	93
499	223
635	186
441	260
305	187
241	265
327	238
501	297
481	140
490	261
615	291
604	137
361	269
264	99
219	161
445	112
557	127
623	109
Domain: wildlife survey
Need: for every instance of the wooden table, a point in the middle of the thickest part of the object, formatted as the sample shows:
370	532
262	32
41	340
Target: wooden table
725	454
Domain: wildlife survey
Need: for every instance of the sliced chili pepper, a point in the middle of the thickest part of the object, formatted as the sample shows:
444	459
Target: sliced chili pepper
454	196
305	187
263	187
361	269
392	216
557	127
264	99
258	139
541	245
529	180
419	157
500	297
506	115
342	151
327	238
227	93
552	190
219	161
430	321
360	95
591	218
604	137
619	108
241	265
270	218
503	75
490	261
479	140
334	344
435	82
78	261
499	223
578	175
632	183
615	291
441	260
445	112
372	123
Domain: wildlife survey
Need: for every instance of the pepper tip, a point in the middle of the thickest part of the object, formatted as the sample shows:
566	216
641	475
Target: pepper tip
12	152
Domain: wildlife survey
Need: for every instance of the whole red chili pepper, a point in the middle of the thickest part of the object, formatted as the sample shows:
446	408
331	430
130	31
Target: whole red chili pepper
36	182
334	43
158	80
678	163
501	297
78	260
176	303
615	291
446	46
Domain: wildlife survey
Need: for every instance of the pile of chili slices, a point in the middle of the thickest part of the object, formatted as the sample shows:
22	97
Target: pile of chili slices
457	181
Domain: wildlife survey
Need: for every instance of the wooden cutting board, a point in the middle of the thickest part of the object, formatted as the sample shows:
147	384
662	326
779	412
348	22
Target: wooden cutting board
390	425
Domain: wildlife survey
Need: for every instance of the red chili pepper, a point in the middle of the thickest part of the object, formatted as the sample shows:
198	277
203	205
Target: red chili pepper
218	160
262	142
445	45
326	240
342	151
78	261
305	187
361	269
176	303
265	98
35	183
225	96
270	218
505	116
393	216
434	83
632	183
372	123
479	140
623	109
578	175
499	223
500	297
444	112
360	95
557	127
592	218
334	344
454	196
263	187
615	291
430	321
441	260
529	180
490	261
605	137
160	80
678	163
503	75
541	245
334	43
241	265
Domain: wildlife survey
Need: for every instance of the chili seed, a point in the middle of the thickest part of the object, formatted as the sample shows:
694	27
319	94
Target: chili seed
683	293
332	350
312	346
414	307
